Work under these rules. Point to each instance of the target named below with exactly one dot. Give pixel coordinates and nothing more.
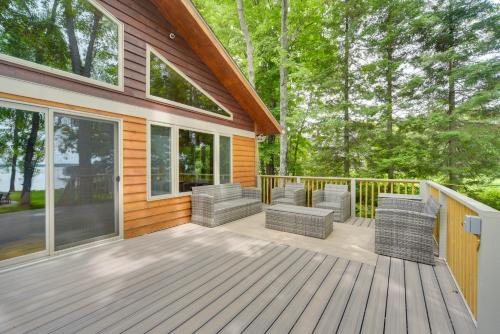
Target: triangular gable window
(166, 82)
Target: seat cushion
(328, 205)
(284, 200)
(234, 204)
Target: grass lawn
(37, 202)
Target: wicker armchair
(291, 193)
(404, 229)
(335, 197)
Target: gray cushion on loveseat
(220, 204)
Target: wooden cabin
(129, 104)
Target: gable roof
(187, 20)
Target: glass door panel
(84, 180)
(22, 182)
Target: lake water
(38, 182)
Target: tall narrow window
(225, 159)
(160, 163)
(168, 83)
(196, 159)
(73, 36)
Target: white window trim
(51, 70)
(149, 50)
(230, 136)
(173, 149)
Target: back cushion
(228, 192)
(290, 188)
(333, 192)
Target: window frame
(50, 70)
(173, 153)
(174, 141)
(149, 50)
(230, 155)
(215, 165)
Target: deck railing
(364, 191)
(473, 259)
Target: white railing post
(488, 293)
(424, 190)
(353, 197)
(443, 225)
(259, 181)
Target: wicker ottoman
(312, 222)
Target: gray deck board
(310, 317)
(285, 321)
(439, 319)
(395, 316)
(267, 286)
(361, 222)
(354, 312)
(193, 279)
(276, 293)
(459, 314)
(334, 311)
(418, 322)
(374, 318)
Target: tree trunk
(248, 42)
(389, 108)
(283, 87)
(69, 22)
(15, 148)
(346, 87)
(29, 161)
(450, 161)
(89, 58)
(270, 165)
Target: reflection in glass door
(84, 180)
(22, 182)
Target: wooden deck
(361, 222)
(192, 279)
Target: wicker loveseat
(220, 204)
(404, 229)
(291, 194)
(334, 197)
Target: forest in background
(386, 89)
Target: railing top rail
(342, 178)
(467, 201)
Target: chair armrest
(252, 192)
(202, 205)
(318, 196)
(299, 197)
(278, 192)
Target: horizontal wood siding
(143, 24)
(244, 161)
(140, 215)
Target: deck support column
(353, 198)
(488, 294)
(443, 225)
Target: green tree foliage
(404, 89)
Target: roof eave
(188, 22)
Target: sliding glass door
(85, 180)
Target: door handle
(118, 178)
